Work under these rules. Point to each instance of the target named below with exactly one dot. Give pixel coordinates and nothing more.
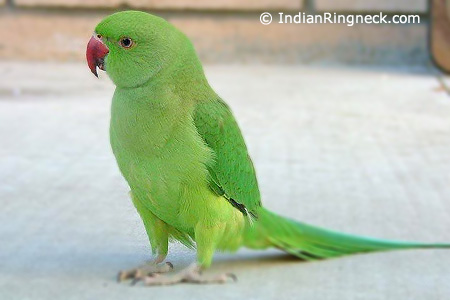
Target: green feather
(310, 243)
(231, 172)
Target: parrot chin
(96, 52)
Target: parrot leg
(147, 269)
(192, 274)
(157, 231)
(206, 238)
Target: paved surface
(362, 151)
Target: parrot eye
(126, 42)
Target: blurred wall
(223, 30)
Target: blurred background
(348, 128)
(226, 30)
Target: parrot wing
(232, 174)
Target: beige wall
(222, 30)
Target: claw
(124, 275)
(232, 276)
(139, 273)
(135, 280)
(169, 264)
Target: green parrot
(181, 151)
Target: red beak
(95, 54)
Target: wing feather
(231, 173)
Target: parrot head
(133, 46)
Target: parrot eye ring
(126, 42)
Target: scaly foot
(148, 269)
(191, 274)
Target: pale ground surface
(362, 151)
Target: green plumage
(231, 172)
(181, 151)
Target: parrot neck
(182, 83)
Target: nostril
(99, 36)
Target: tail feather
(311, 243)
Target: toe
(143, 271)
(124, 275)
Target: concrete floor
(357, 150)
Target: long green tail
(310, 243)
